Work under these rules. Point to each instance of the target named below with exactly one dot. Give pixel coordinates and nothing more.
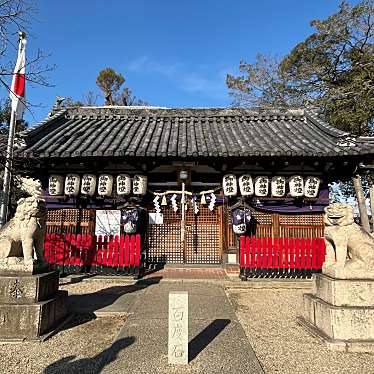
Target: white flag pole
(7, 170)
(9, 159)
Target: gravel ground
(268, 317)
(79, 348)
(281, 344)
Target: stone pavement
(217, 342)
(189, 273)
(110, 301)
(120, 300)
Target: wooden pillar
(275, 225)
(222, 231)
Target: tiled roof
(188, 133)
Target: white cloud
(204, 84)
(146, 66)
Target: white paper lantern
(105, 185)
(296, 184)
(278, 186)
(246, 185)
(72, 184)
(139, 185)
(262, 186)
(123, 183)
(229, 185)
(311, 186)
(88, 185)
(56, 185)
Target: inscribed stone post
(178, 327)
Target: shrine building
(202, 177)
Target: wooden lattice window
(277, 225)
(301, 219)
(78, 221)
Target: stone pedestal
(341, 313)
(31, 306)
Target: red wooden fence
(281, 253)
(84, 252)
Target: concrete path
(217, 342)
(110, 301)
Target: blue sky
(172, 53)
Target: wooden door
(164, 240)
(203, 244)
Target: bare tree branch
(332, 70)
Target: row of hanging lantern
(88, 184)
(260, 186)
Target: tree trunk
(108, 99)
(371, 191)
(361, 203)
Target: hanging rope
(168, 192)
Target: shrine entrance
(203, 243)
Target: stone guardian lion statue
(349, 248)
(22, 238)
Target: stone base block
(16, 265)
(31, 321)
(344, 292)
(339, 322)
(343, 273)
(337, 345)
(27, 288)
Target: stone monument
(30, 304)
(178, 328)
(340, 310)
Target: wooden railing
(85, 253)
(280, 256)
